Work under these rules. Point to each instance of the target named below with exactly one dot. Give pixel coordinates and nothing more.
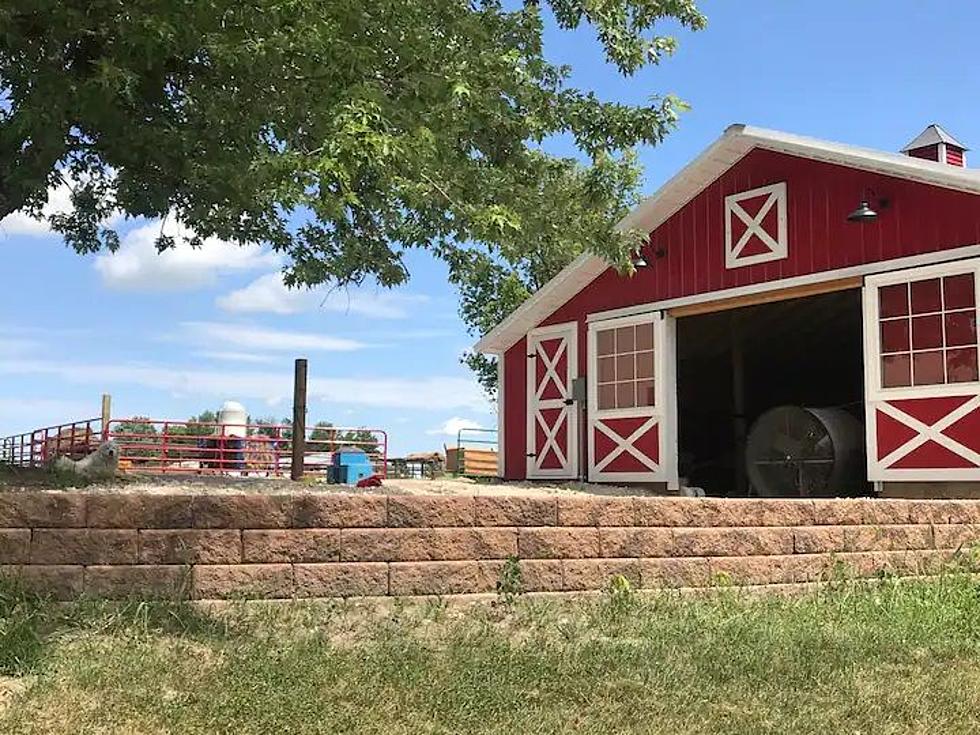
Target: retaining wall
(331, 545)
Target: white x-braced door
(922, 378)
(632, 399)
(552, 431)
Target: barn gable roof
(732, 146)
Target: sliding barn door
(552, 432)
(632, 399)
(921, 376)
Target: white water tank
(233, 419)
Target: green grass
(897, 657)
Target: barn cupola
(935, 144)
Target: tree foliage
(342, 134)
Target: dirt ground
(19, 479)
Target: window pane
(624, 339)
(893, 300)
(927, 332)
(607, 369)
(961, 328)
(895, 371)
(961, 365)
(607, 396)
(625, 397)
(926, 296)
(895, 335)
(606, 342)
(959, 291)
(644, 336)
(644, 364)
(928, 368)
(624, 367)
(644, 393)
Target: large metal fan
(793, 451)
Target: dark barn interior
(801, 352)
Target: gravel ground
(37, 479)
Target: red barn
(790, 290)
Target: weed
(510, 586)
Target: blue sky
(172, 335)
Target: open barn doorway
(734, 367)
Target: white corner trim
(501, 404)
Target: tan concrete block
(15, 545)
(419, 511)
(882, 512)
(541, 575)
(595, 574)
(963, 512)
(596, 511)
(240, 511)
(337, 511)
(427, 544)
(625, 542)
(443, 577)
(838, 511)
(819, 539)
(888, 538)
(515, 510)
(957, 536)
(558, 543)
(144, 581)
(732, 541)
(299, 545)
(59, 582)
(686, 572)
(42, 510)
(257, 581)
(785, 512)
(112, 510)
(190, 546)
(665, 511)
(778, 569)
(83, 546)
(358, 579)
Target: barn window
(928, 331)
(625, 370)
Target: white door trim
(501, 402)
(567, 412)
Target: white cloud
(138, 265)
(20, 223)
(452, 427)
(437, 393)
(247, 337)
(268, 294)
(248, 357)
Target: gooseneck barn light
(864, 212)
(638, 260)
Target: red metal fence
(192, 448)
(253, 450)
(35, 448)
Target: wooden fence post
(299, 419)
(106, 415)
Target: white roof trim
(727, 150)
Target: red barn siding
(920, 219)
(515, 411)
(929, 152)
